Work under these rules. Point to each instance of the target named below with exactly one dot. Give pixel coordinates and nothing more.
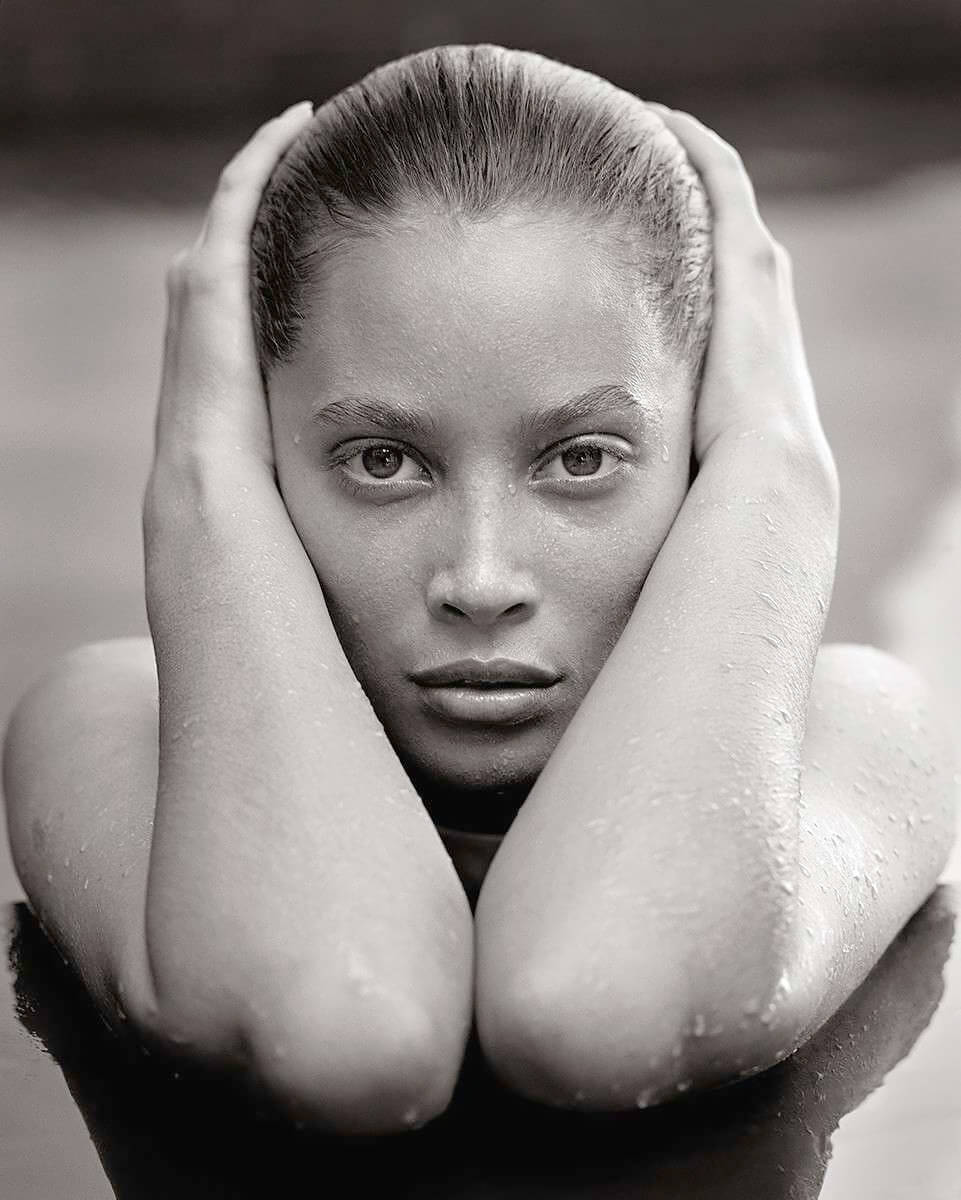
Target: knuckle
(764, 255)
(175, 269)
(232, 177)
(783, 256)
(194, 272)
(730, 158)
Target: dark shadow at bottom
(161, 1134)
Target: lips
(494, 672)
(498, 691)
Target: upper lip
(492, 670)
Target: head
(481, 290)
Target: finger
(230, 216)
(737, 222)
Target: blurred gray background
(115, 119)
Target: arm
(641, 927)
(299, 896)
(672, 844)
(300, 912)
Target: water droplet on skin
(86, 884)
(83, 847)
(769, 601)
(297, 438)
(645, 1099)
(511, 489)
(684, 1085)
(700, 1025)
(665, 453)
(787, 886)
(66, 861)
(49, 877)
(926, 818)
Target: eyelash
(572, 485)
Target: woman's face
(482, 443)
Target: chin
(479, 792)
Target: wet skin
(476, 536)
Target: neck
(469, 810)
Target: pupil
(381, 461)
(582, 460)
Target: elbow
(383, 1071)
(345, 1065)
(577, 1047)
(617, 1049)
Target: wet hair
(471, 132)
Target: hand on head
(756, 378)
(212, 399)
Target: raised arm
(660, 916)
(301, 914)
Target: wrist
(784, 456)
(201, 480)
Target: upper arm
(875, 830)
(877, 822)
(80, 773)
(80, 780)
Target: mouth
(493, 692)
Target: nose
(483, 577)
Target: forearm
(285, 829)
(657, 852)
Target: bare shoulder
(878, 793)
(871, 712)
(81, 697)
(79, 777)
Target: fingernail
(301, 106)
(659, 108)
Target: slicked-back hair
(473, 132)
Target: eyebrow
(603, 399)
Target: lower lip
(487, 706)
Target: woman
(427, 576)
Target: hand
(756, 378)
(212, 404)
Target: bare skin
(728, 825)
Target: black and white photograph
(480, 600)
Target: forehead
(506, 308)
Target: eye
(585, 459)
(379, 467)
